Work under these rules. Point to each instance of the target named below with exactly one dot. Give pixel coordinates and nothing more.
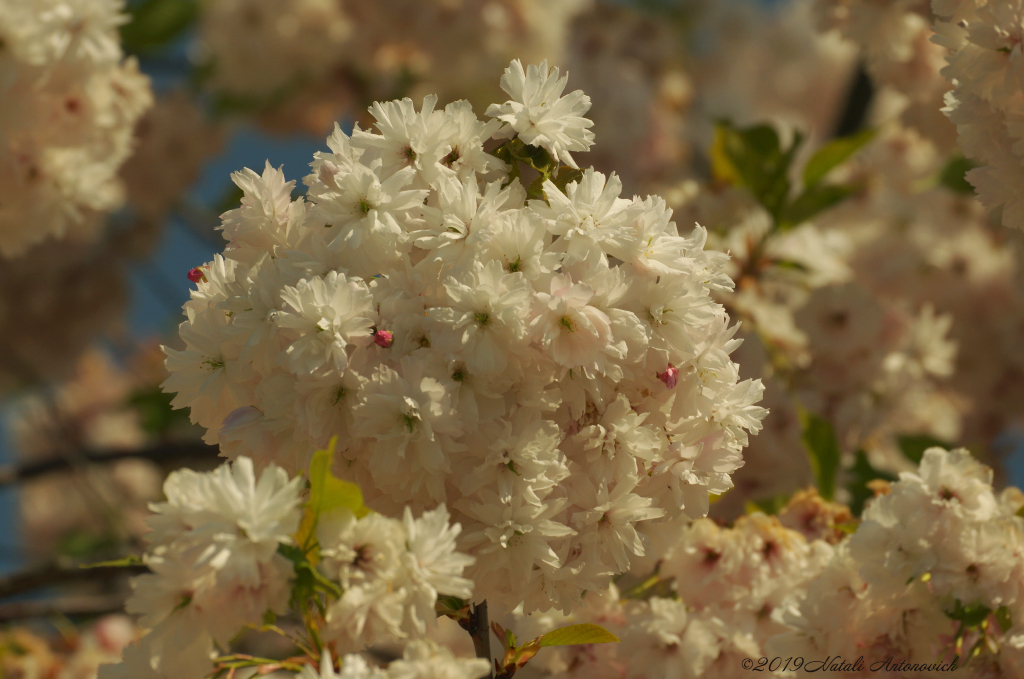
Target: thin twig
(67, 606)
(59, 572)
(161, 452)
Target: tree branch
(161, 452)
(96, 604)
(480, 630)
(60, 572)
(858, 100)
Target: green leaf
(578, 634)
(970, 615)
(832, 154)
(132, 560)
(860, 474)
(790, 265)
(1004, 618)
(155, 23)
(822, 448)
(156, 416)
(914, 445)
(566, 175)
(953, 175)
(812, 201)
(753, 157)
(768, 505)
(327, 492)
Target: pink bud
(670, 377)
(196, 275)
(384, 338)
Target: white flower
(329, 314)
(568, 326)
(408, 139)
(539, 113)
(427, 660)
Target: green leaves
(156, 416)
(822, 448)
(914, 445)
(155, 23)
(326, 492)
(516, 656)
(578, 634)
(860, 475)
(832, 154)
(953, 175)
(515, 153)
(969, 615)
(753, 157)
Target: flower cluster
(559, 346)
(984, 40)
(711, 603)
(218, 552)
(69, 104)
(934, 571)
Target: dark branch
(161, 452)
(858, 100)
(58, 573)
(92, 605)
(479, 629)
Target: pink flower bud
(384, 338)
(196, 275)
(670, 377)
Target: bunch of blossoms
(984, 40)
(76, 654)
(934, 571)
(707, 606)
(876, 366)
(305, 63)
(69, 104)
(894, 37)
(919, 242)
(227, 552)
(559, 346)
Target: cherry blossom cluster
(218, 561)
(933, 571)
(984, 40)
(550, 363)
(69, 104)
(711, 603)
(77, 655)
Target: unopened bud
(196, 275)
(670, 377)
(384, 338)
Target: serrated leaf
(327, 492)
(832, 154)
(860, 474)
(155, 23)
(812, 201)
(132, 560)
(953, 176)
(914, 445)
(822, 448)
(578, 634)
(565, 176)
